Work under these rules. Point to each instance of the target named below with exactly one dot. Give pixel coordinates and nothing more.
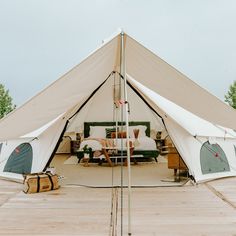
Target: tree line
(6, 103)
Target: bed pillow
(141, 128)
(97, 132)
(109, 131)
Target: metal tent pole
(123, 73)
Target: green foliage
(6, 105)
(87, 149)
(230, 97)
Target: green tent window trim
(213, 159)
(20, 160)
(235, 149)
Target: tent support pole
(123, 73)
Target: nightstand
(75, 145)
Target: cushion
(142, 131)
(121, 134)
(109, 131)
(136, 133)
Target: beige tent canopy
(44, 118)
(141, 64)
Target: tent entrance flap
(145, 101)
(71, 117)
(92, 94)
(56, 147)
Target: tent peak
(113, 35)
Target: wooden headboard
(111, 123)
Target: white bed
(96, 132)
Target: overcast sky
(42, 39)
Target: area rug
(144, 174)
(72, 160)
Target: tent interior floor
(143, 174)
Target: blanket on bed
(106, 143)
(144, 143)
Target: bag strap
(50, 178)
(38, 183)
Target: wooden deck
(205, 209)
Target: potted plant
(87, 150)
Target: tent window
(213, 159)
(20, 160)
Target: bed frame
(145, 153)
(110, 123)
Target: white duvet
(144, 143)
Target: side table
(75, 145)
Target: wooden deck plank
(188, 210)
(67, 211)
(181, 211)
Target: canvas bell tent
(200, 125)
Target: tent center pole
(126, 106)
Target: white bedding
(145, 143)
